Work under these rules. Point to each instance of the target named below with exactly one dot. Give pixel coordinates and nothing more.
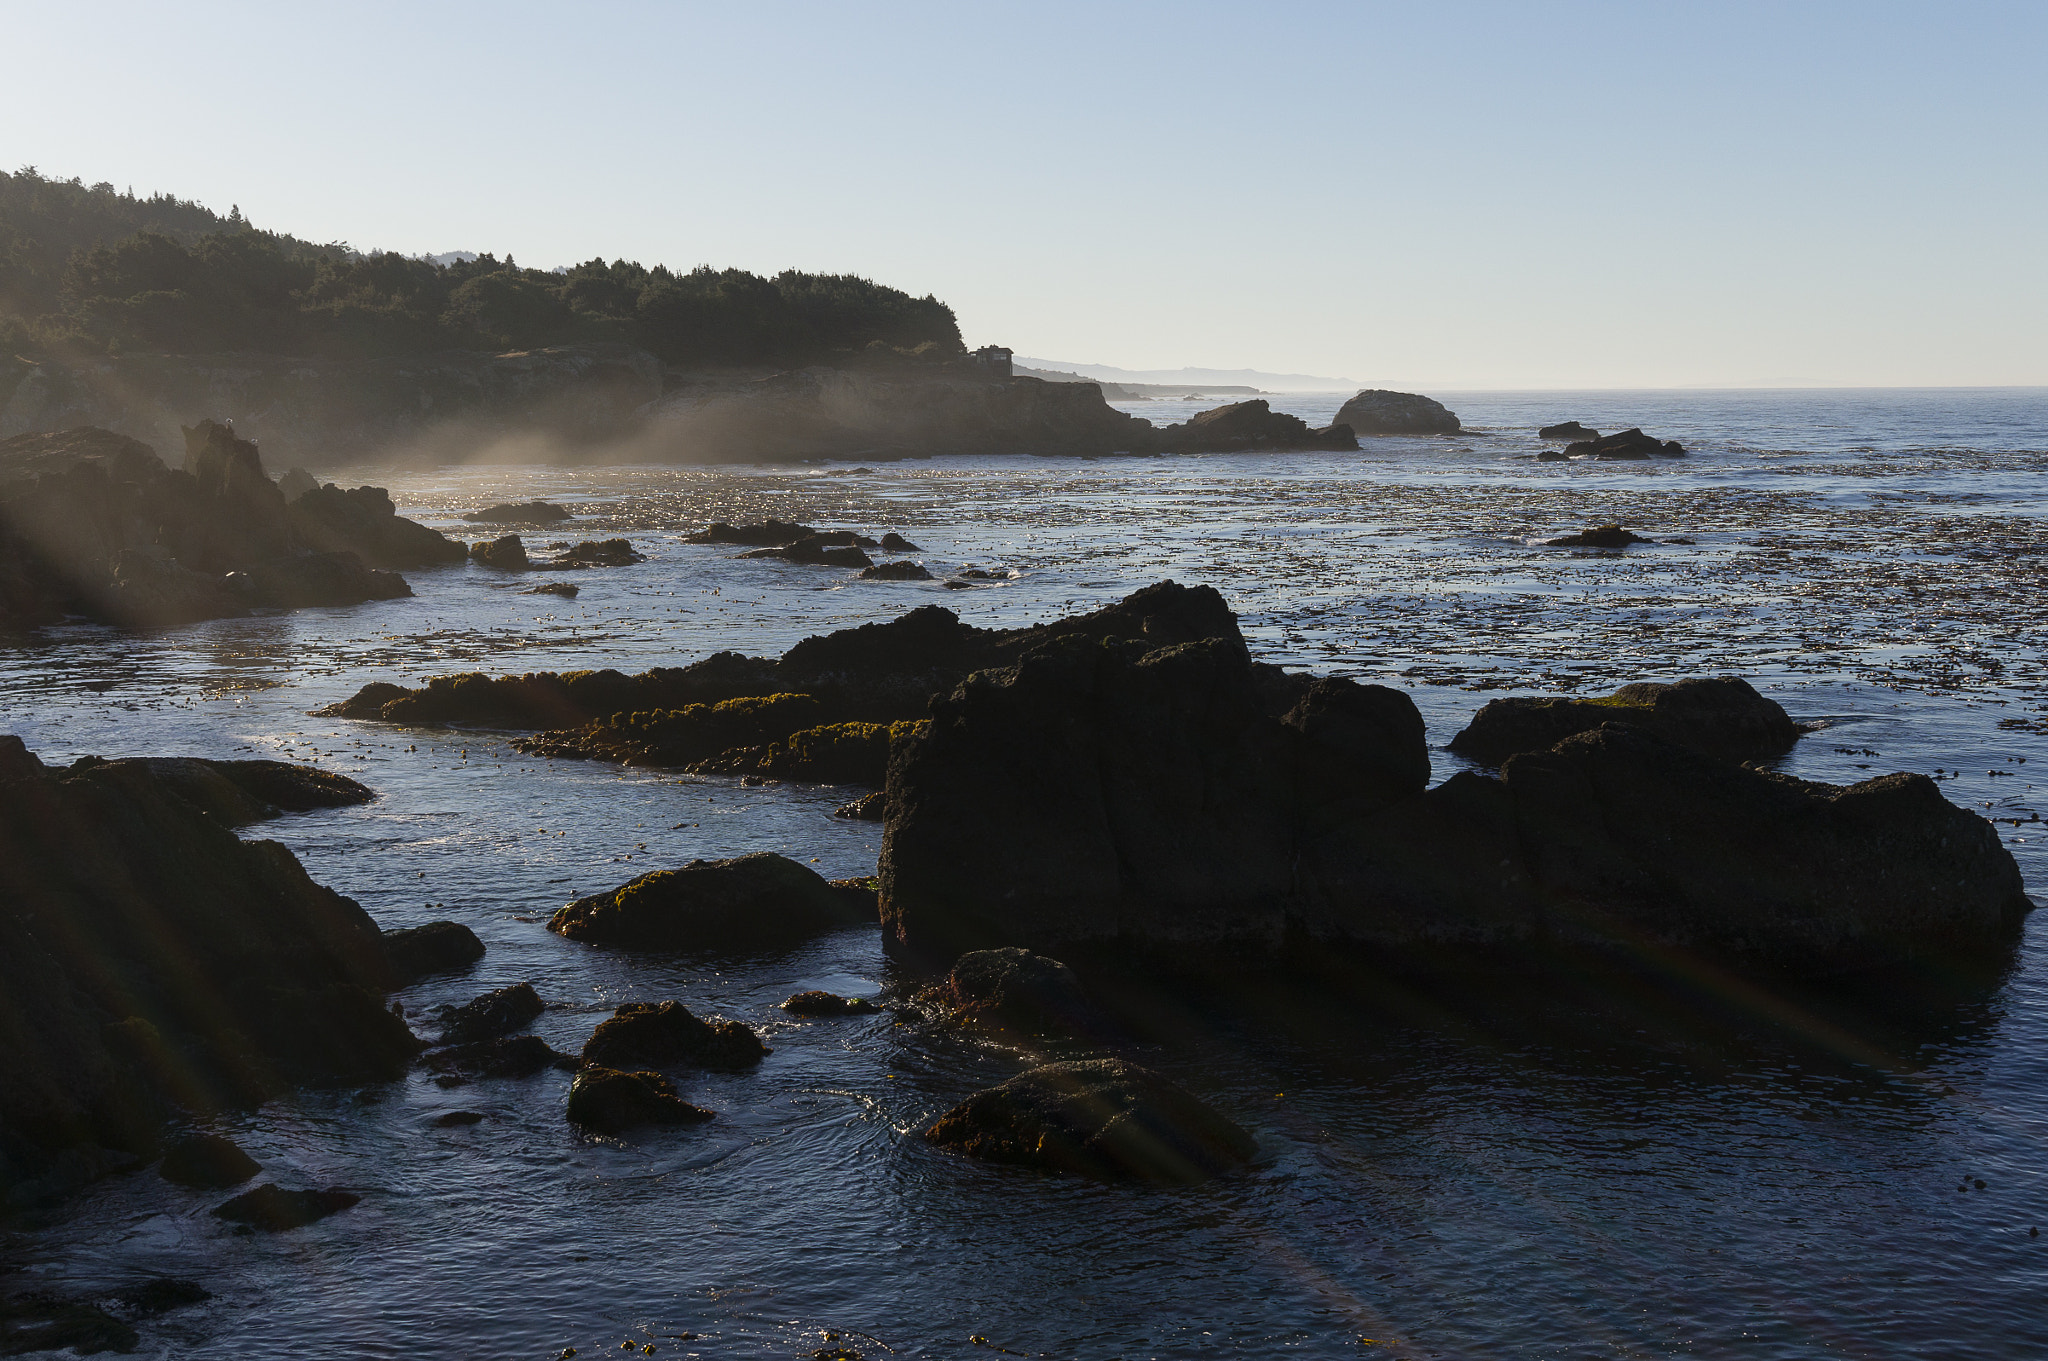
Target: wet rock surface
(438, 947)
(867, 808)
(1104, 1118)
(1014, 989)
(207, 1160)
(607, 1101)
(820, 1003)
(42, 1321)
(595, 553)
(273, 1209)
(492, 1015)
(514, 1056)
(507, 553)
(1375, 411)
(1719, 716)
(668, 1035)
(754, 900)
(896, 571)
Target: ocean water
(1769, 1182)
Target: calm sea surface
(1427, 1186)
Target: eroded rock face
(758, 900)
(1375, 411)
(608, 1101)
(1721, 716)
(667, 1035)
(1102, 1118)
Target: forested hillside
(90, 270)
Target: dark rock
(297, 483)
(273, 1209)
(458, 1119)
(596, 553)
(1014, 989)
(568, 590)
(362, 521)
(667, 1035)
(492, 1015)
(507, 1057)
(1723, 717)
(612, 1102)
(161, 1294)
(1364, 743)
(862, 897)
(61, 1177)
(1606, 536)
(815, 550)
(896, 543)
(1552, 456)
(524, 513)
(437, 947)
(903, 570)
(1568, 430)
(236, 793)
(1375, 411)
(1250, 425)
(754, 900)
(315, 579)
(767, 534)
(867, 808)
(1103, 1118)
(42, 1322)
(1627, 444)
(506, 554)
(207, 1160)
(816, 1003)
(838, 753)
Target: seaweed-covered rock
(1101, 1118)
(819, 1003)
(608, 1101)
(838, 753)
(1625, 444)
(492, 1015)
(239, 792)
(867, 808)
(893, 542)
(1721, 716)
(568, 590)
(437, 947)
(754, 900)
(668, 1035)
(509, 1056)
(506, 553)
(1375, 411)
(524, 513)
(273, 1209)
(207, 1160)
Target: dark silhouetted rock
(862, 897)
(297, 483)
(524, 513)
(316, 579)
(207, 1160)
(896, 543)
(507, 554)
(1627, 444)
(492, 1015)
(867, 808)
(1103, 1118)
(39, 1321)
(817, 551)
(754, 900)
(1569, 430)
(1375, 411)
(596, 553)
(458, 1119)
(362, 521)
(1014, 989)
(611, 1102)
(1723, 716)
(667, 1035)
(510, 1056)
(162, 1294)
(816, 1003)
(903, 570)
(273, 1209)
(568, 590)
(1606, 536)
(1250, 425)
(437, 947)
(767, 534)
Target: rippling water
(1430, 1184)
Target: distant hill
(89, 270)
(1200, 380)
(1131, 392)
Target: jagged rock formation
(151, 961)
(1118, 799)
(93, 523)
(1375, 411)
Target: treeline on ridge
(87, 270)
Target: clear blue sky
(1427, 194)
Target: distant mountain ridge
(1196, 379)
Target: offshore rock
(608, 1101)
(362, 521)
(151, 960)
(1104, 1118)
(1249, 425)
(596, 553)
(273, 1209)
(438, 947)
(817, 1003)
(893, 542)
(1375, 411)
(1605, 536)
(506, 553)
(667, 1035)
(1568, 430)
(767, 534)
(817, 551)
(1722, 716)
(525, 513)
(208, 1161)
(491, 1016)
(758, 900)
(902, 570)
(1628, 444)
(236, 793)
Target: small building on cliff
(993, 361)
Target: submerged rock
(818, 1003)
(1375, 411)
(1606, 536)
(524, 513)
(1568, 430)
(438, 947)
(512, 1056)
(161, 1294)
(39, 1321)
(611, 1102)
(207, 1160)
(749, 901)
(1102, 1118)
(273, 1209)
(1628, 444)
(1721, 716)
(568, 590)
(506, 553)
(492, 1015)
(668, 1035)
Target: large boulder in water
(1375, 411)
(1720, 716)
(668, 1035)
(750, 901)
(491, 1016)
(1102, 1118)
(1014, 989)
(437, 947)
(607, 1101)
